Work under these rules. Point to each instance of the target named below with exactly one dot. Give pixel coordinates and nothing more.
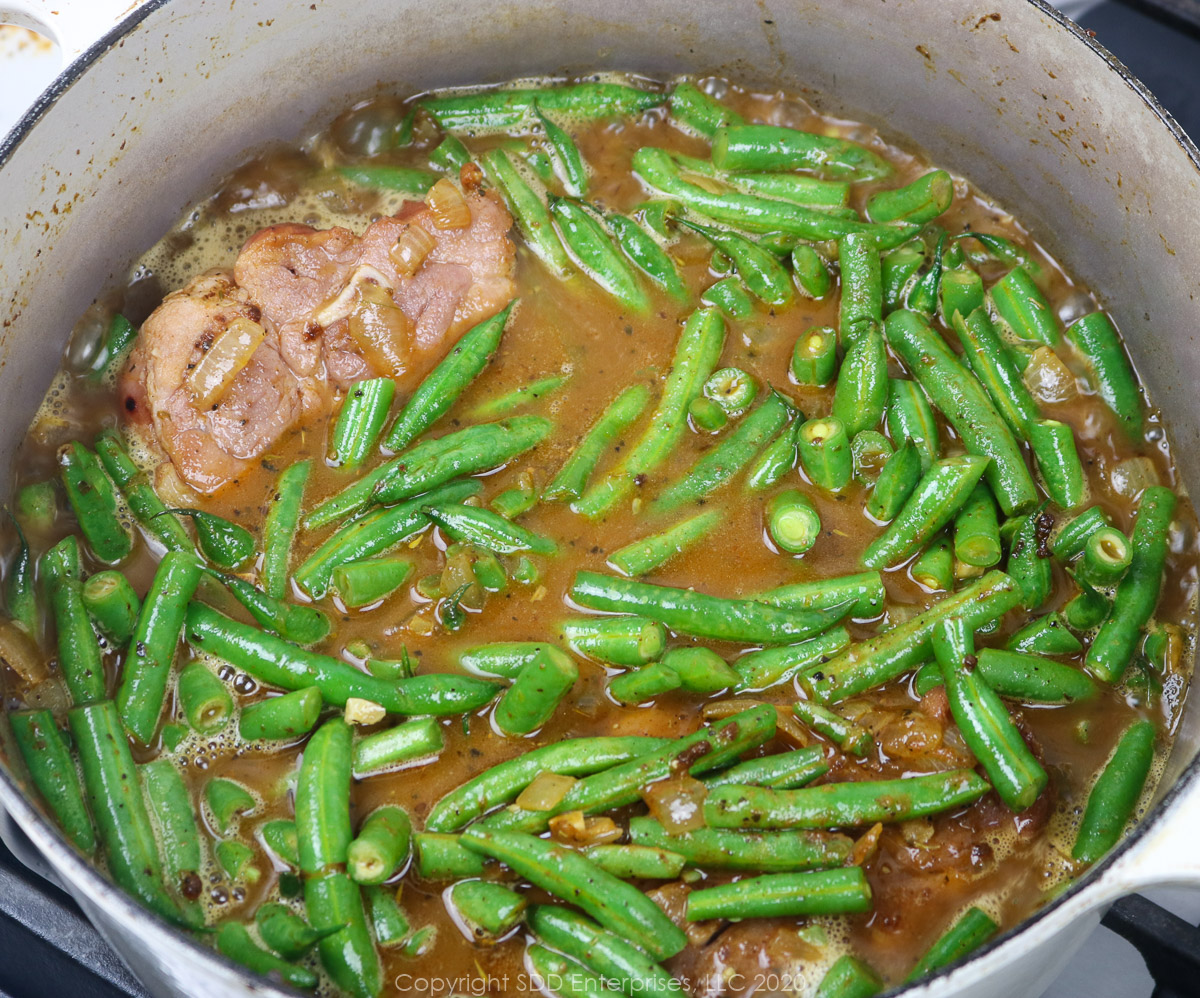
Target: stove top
(44, 937)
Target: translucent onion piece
(576, 828)
(677, 803)
(19, 653)
(381, 330)
(231, 351)
(1131, 477)
(342, 304)
(546, 790)
(1048, 378)
(448, 206)
(415, 243)
(786, 723)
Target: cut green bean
(923, 296)
(811, 273)
(1053, 445)
(814, 359)
(620, 414)
(143, 501)
(825, 456)
(821, 892)
(731, 297)
(644, 684)
(535, 693)
(775, 460)
(297, 622)
(849, 977)
(443, 857)
(793, 522)
(502, 405)
(759, 270)
(860, 395)
(280, 718)
(563, 977)
(870, 451)
(403, 744)
(1032, 678)
(486, 910)
(864, 592)
(767, 147)
(450, 155)
(205, 700)
(651, 552)
(700, 670)
(861, 303)
(760, 670)
(1086, 609)
(515, 501)
(960, 293)
(487, 530)
(234, 942)
(227, 545)
(732, 389)
(989, 361)
(361, 583)
(594, 253)
(921, 201)
(20, 591)
(933, 568)
(899, 272)
(634, 862)
(119, 337)
(646, 254)
(1047, 635)
(171, 810)
(52, 769)
(1072, 538)
(846, 735)
(334, 901)
(568, 164)
(896, 482)
(1023, 307)
(626, 641)
(528, 210)
(360, 421)
(112, 604)
(79, 657)
(1027, 564)
(390, 178)
(977, 530)
(698, 112)
(1106, 557)
(1094, 337)
(388, 922)
(381, 846)
(909, 417)
(94, 500)
(227, 799)
(503, 109)
(286, 932)
(281, 838)
(1114, 797)
(970, 932)
(784, 771)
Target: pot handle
(1166, 855)
(73, 24)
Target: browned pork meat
(331, 308)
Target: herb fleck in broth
(923, 872)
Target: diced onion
(786, 723)
(381, 330)
(448, 206)
(342, 304)
(1048, 378)
(1131, 477)
(411, 249)
(19, 652)
(546, 790)
(677, 803)
(231, 351)
(866, 845)
(576, 828)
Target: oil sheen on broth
(922, 873)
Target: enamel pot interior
(1019, 101)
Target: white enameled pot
(1006, 92)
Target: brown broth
(924, 873)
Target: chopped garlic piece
(359, 711)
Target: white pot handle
(1167, 855)
(73, 24)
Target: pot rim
(48, 838)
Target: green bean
(775, 460)
(1106, 557)
(20, 589)
(759, 270)
(141, 694)
(938, 496)
(709, 748)
(519, 397)
(283, 717)
(823, 892)
(650, 258)
(1047, 635)
(171, 810)
(756, 214)
(450, 155)
(112, 604)
(909, 417)
(846, 735)
(535, 693)
(970, 932)
(977, 530)
(531, 215)
(767, 147)
(1032, 678)
(233, 941)
(404, 743)
(933, 568)
(79, 657)
(390, 178)
(658, 216)
(635, 862)
(226, 799)
(501, 658)
(860, 394)
(699, 614)
(849, 977)
(360, 421)
(897, 479)
(286, 932)
(608, 954)
(562, 977)
(282, 839)
(1027, 564)
(793, 522)
(966, 407)
(760, 670)
(1086, 609)
(842, 804)
(1072, 538)
(443, 857)
(920, 201)
(361, 583)
(143, 501)
(732, 389)
(1116, 792)
(767, 852)
(784, 771)
(999, 248)
(651, 552)
(567, 161)
(388, 921)
(898, 272)
(277, 663)
(1023, 308)
(811, 273)
(334, 901)
(923, 296)
(114, 794)
(700, 670)
(227, 545)
(698, 112)
(375, 533)
(595, 255)
(37, 507)
(381, 846)
(696, 355)
(814, 358)
(173, 735)
(1053, 445)
(644, 684)
(620, 414)
(487, 530)
(864, 591)
(989, 361)
(205, 700)
(824, 449)
(984, 721)
(627, 641)
(926, 679)
(323, 798)
(888, 656)
(870, 451)
(297, 622)
(515, 501)
(118, 340)
(501, 783)
(486, 910)
(731, 297)
(861, 305)
(503, 109)
(960, 293)
(1097, 342)
(569, 875)
(1137, 593)
(52, 770)
(94, 501)
(831, 195)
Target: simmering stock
(771, 234)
